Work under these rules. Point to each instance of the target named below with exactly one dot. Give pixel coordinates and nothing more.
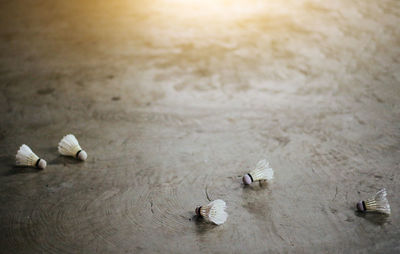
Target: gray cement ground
(174, 100)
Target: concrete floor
(176, 100)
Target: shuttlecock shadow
(257, 186)
(12, 169)
(64, 160)
(373, 217)
(202, 226)
(21, 170)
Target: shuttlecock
(25, 157)
(69, 146)
(213, 212)
(261, 172)
(378, 203)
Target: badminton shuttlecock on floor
(262, 172)
(213, 212)
(25, 157)
(69, 146)
(378, 203)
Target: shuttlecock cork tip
(42, 164)
(197, 211)
(82, 155)
(247, 179)
(360, 206)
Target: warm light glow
(211, 8)
(171, 22)
(220, 9)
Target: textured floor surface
(176, 100)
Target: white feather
(379, 203)
(262, 171)
(25, 156)
(217, 212)
(69, 145)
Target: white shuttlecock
(69, 146)
(25, 157)
(261, 172)
(213, 212)
(378, 203)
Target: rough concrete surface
(176, 100)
